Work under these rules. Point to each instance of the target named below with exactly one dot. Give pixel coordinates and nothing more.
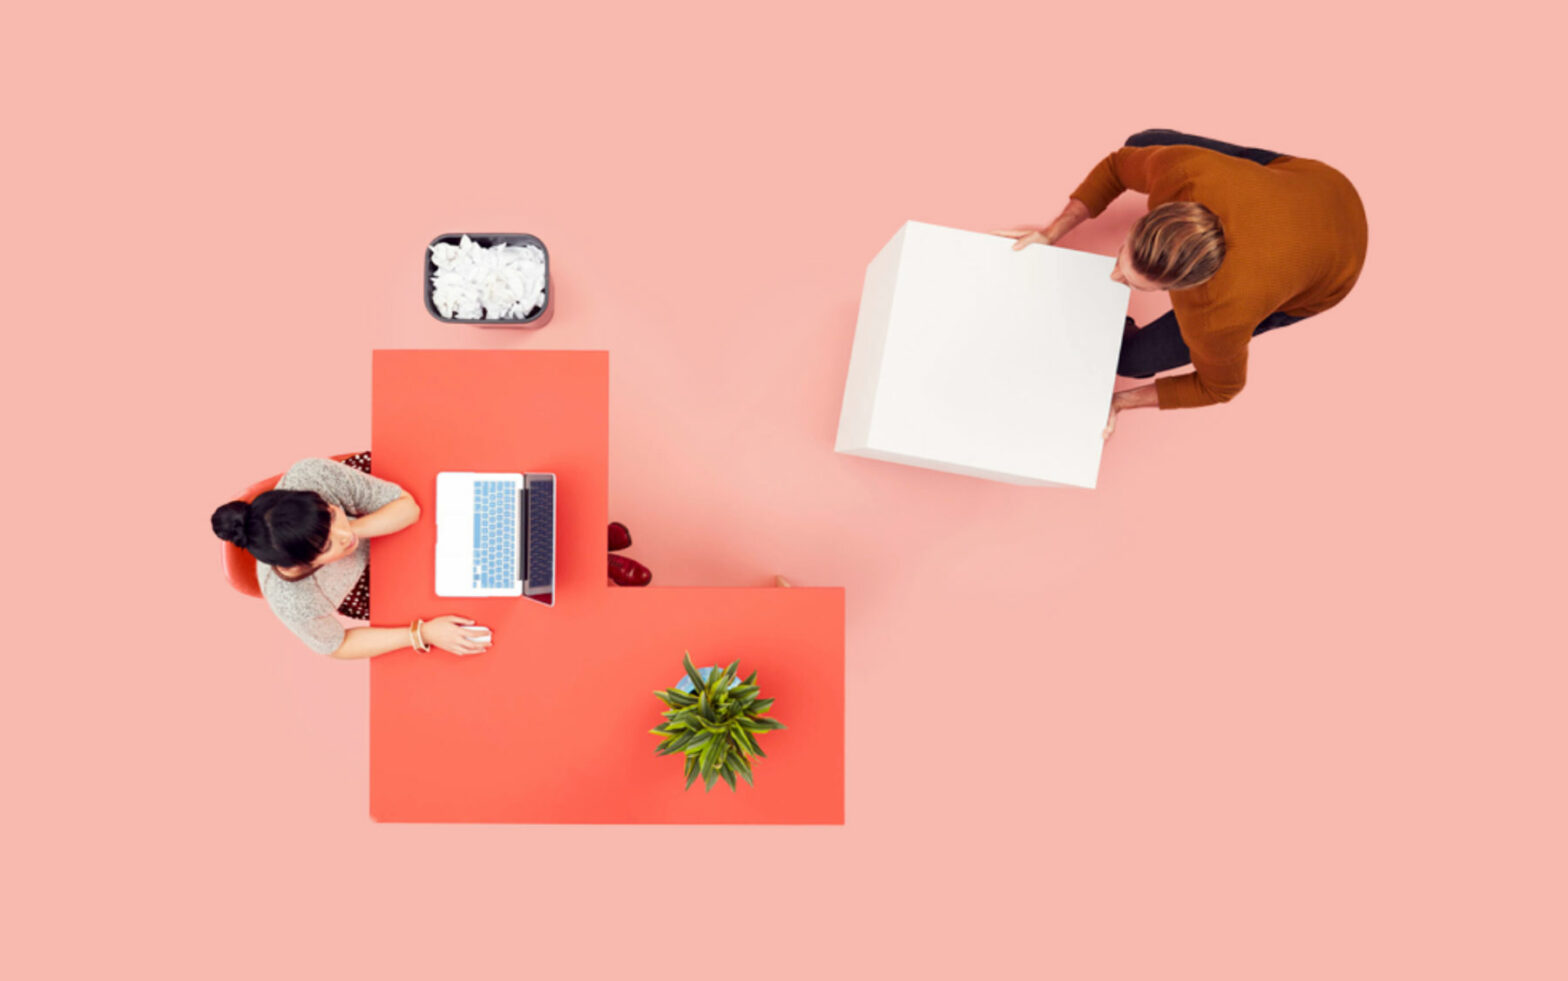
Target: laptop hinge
(522, 533)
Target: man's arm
(1128, 398)
(1201, 387)
(1071, 217)
(1141, 397)
(1218, 330)
(1219, 372)
(1130, 168)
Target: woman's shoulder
(290, 599)
(312, 473)
(301, 606)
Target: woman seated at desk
(313, 563)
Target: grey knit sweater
(309, 606)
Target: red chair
(239, 565)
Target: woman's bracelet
(419, 631)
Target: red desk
(550, 725)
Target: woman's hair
(1178, 245)
(280, 527)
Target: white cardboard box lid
(988, 360)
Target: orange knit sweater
(1295, 240)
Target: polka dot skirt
(357, 603)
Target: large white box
(976, 359)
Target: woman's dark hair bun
(280, 527)
(228, 523)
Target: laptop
(495, 535)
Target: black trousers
(1158, 345)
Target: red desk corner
(550, 725)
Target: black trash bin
(538, 318)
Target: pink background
(1282, 699)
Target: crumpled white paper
(472, 282)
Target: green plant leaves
(715, 725)
(691, 672)
(744, 741)
(760, 724)
(675, 698)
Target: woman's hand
(1071, 216)
(456, 635)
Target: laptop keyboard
(541, 534)
(495, 534)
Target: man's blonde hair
(1178, 245)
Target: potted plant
(714, 719)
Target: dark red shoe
(629, 572)
(620, 536)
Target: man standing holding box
(1245, 240)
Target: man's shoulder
(1228, 302)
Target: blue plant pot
(685, 683)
